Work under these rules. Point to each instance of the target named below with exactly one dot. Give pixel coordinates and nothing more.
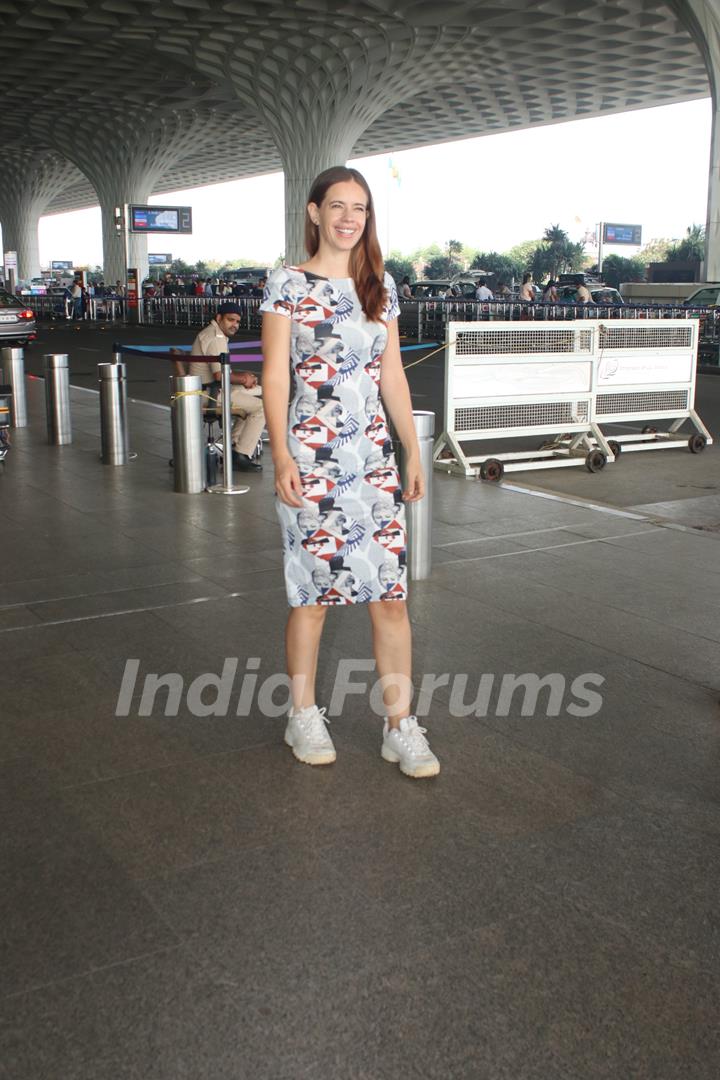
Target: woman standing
(340, 503)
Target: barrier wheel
(492, 470)
(696, 444)
(595, 461)
(615, 447)
(649, 430)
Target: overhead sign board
(622, 234)
(161, 219)
(61, 264)
(159, 260)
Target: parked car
(463, 288)
(602, 295)
(706, 296)
(17, 320)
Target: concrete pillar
(114, 242)
(124, 159)
(702, 18)
(29, 184)
(317, 100)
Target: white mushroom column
(317, 90)
(124, 162)
(702, 18)
(29, 185)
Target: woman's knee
(311, 616)
(388, 612)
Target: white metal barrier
(508, 380)
(516, 380)
(647, 371)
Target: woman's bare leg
(302, 645)
(392, 645)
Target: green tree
(445, 264)
(504, 267)
(616, 269)
(691, 247)
(655, 251)
(399, 267)
(523, 253)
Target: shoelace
(314, 724)
(416, 736)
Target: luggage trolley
(511, 380)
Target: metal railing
(421, 320)
(196, 310)
(427, 320)
(96, 308)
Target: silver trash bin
(187, 434)
(419, 514)
(113, 413)
(57, 398)
(13, 366)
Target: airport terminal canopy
(115, 100)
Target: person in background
(249, 418)
(405, 290)
(582, 296)
(481, 290)
(527, 292)
(550, 293)
(76, 296)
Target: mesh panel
(645, 337)
(482, 342)
(540, 414)
(652, 402)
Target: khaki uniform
(249, 415)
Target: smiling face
(341, 217)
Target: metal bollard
(187, 434)
(13, 365)
(419, 514)
(113, 414)
(57, 398)
(227, 487)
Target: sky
(647, 167)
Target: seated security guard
(249, 417)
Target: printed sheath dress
(347, 545)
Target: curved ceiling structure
(200, 91)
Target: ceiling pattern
(201, 91)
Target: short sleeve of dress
(392, 307)
(281, 292)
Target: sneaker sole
(326, 757)
(418, 773)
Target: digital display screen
(159, 260)
(622, 234)
(163, 219)
(61, 265)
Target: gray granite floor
(181, 899)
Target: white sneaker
(407, 747)
(307, 735)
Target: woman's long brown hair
(366, 262)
